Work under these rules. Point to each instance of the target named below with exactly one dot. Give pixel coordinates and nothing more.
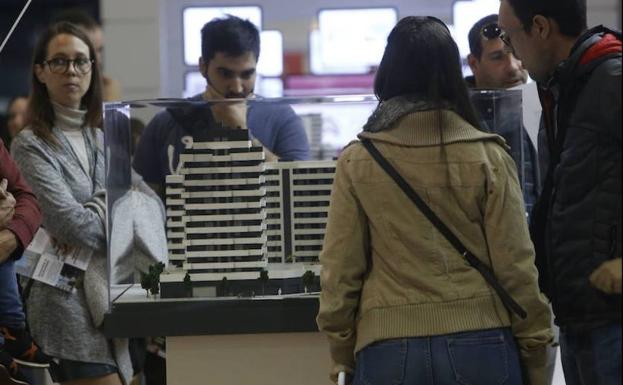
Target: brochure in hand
(44, 262)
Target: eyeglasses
(60, 66)
(507, 40)
(504, 36)
(491, 31)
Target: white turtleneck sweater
(71, 122)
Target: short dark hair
(231, 35)
(570, 15)
(475, 35)
(422, 58)
(78, 17)
(40, 115)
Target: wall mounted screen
(350, 40)
(271, 54)
(465, 15)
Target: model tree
(223, 287)
(151, 281)
(263, 278)
(146, 282)
(188, 285)
(308, 279)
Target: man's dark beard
(229, 95)
(236, 95)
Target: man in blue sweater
(230, 48)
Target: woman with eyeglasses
(61, 156)
(399, 303)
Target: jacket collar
(576, 64)
(389, 112)
(405, 122)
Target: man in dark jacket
(576, 224)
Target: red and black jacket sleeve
(27, 217)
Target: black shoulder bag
(483, 269)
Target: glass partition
(500, 111)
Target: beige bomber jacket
(388, 273)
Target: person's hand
(229, 114)
(7, 204)
(8, 244)
(607, 277)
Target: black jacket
(576, 223)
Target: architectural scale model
(237, 225)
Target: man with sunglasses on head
(576, 223)
(230, 49)
(492, 63)
(494, 67)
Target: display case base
(258, 359)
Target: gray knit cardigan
(60, 322)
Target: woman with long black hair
(400, 304)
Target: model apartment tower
(230, 216)
(216, 209)
(298, 196)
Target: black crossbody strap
(476, 263)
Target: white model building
(298, 195)
(231, 215)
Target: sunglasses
(491, 31)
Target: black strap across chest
(484, 270)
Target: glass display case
(199, 210)
(223, 219)
(210, 236)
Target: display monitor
(350, 41)
(194, 83)
(271, 54)
(465, 15)
(194, 18)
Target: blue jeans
(591, 357)
(68, 370)
(483, 357)
(11, 308)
